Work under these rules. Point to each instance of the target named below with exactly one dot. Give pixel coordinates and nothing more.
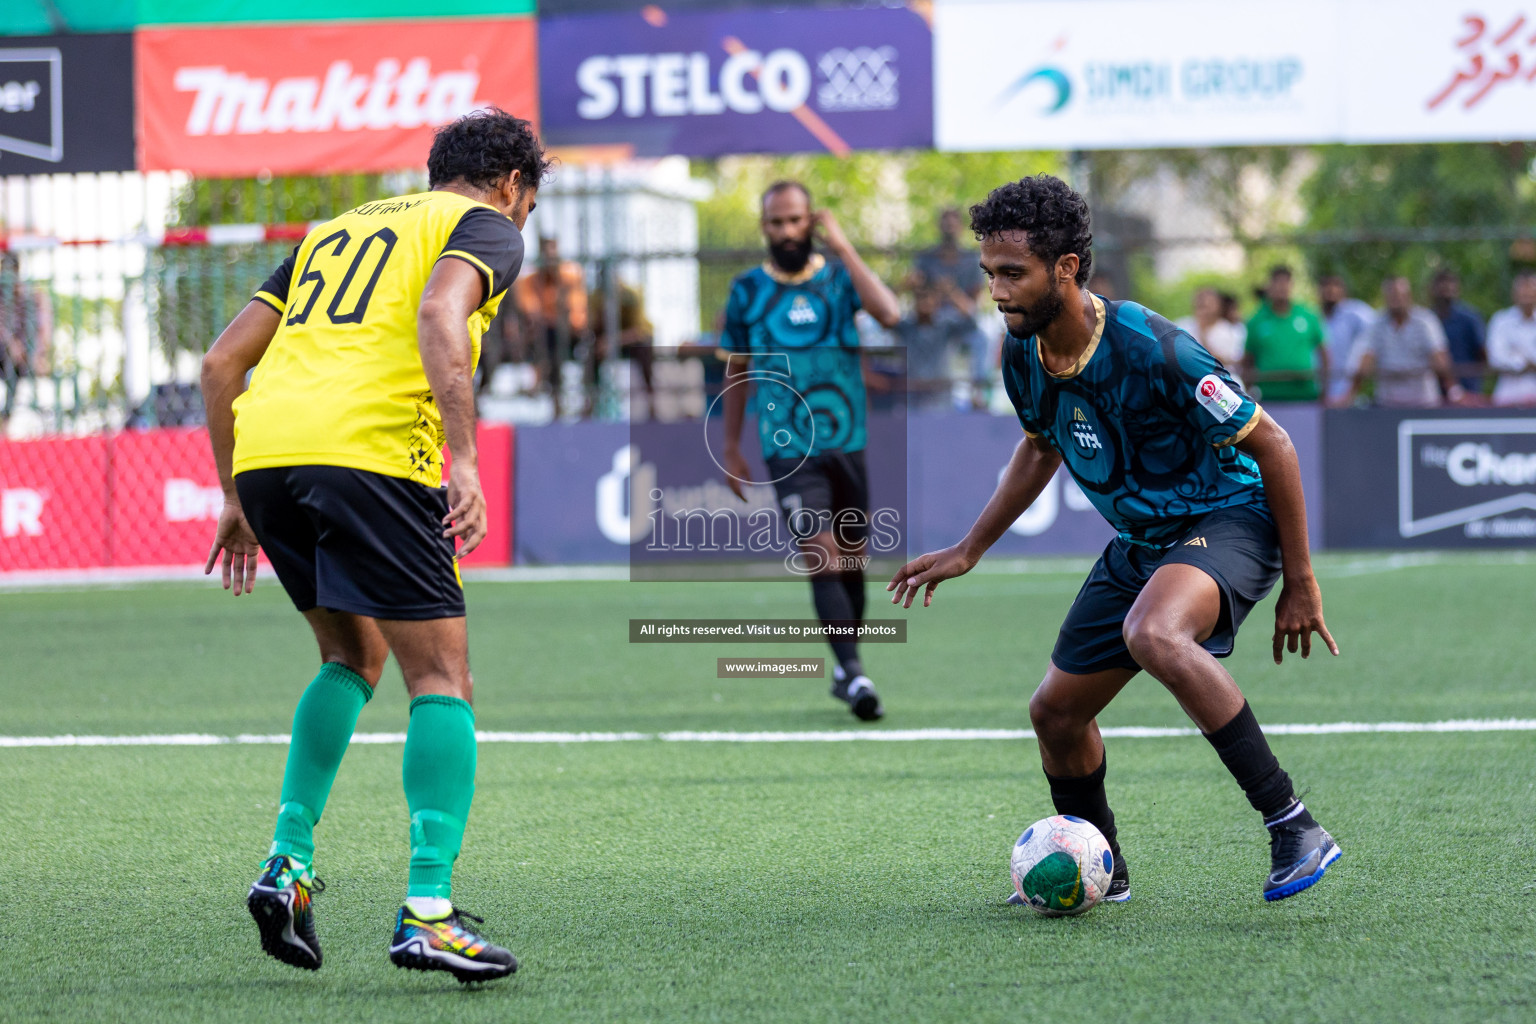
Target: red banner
(308, 99)
(153, 499)
(53, 503)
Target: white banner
(1101, 74)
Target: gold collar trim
(811, 269)
(1093, 344)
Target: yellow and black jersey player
(363, 346)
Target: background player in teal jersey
(790, 323)
(1203, 488)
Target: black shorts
(813, 492)
(1237, 547)
(352, 541)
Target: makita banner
(658, 82)
(66, 104)
(1430, 478)
(306, 99)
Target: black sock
(1083, 797)
(853, 581)
(834, 607)
(1243, 749)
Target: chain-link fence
(112, 286)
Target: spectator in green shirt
(1286, 353)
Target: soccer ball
(1061, 866)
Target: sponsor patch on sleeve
(1219, 400)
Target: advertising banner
(313, 98)
(1088, 74)
(1430, 478)
(737, 81)
(953, 465)
(1436, 71)
(152, 498)
(53, 503)
(66, 104)
(957, 461)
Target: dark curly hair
(483, 147)
(1044, 207)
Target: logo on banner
(747, 82)
(1478, 474)
(391, 97)
(32, 103)
(863, 78)
(1494, 54)
(21, 512)
(1055, 78)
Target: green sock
(439, 776)
(322, 728)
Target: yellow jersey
(342, 382)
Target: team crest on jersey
(1083, 434)
(801, 312)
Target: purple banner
(585, 491)
(738, 81)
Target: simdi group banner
(1087, 74)
(655, 82)
(315, 98)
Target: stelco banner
(738, 81)
(66, 104)
(1085, 74)
(307, 99)
(1430, 479)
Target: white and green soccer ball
(1061, 866)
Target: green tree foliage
(1413, 209)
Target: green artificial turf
(776, 882)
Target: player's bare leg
(439, 775)
(352, 655)
(838, 595)
(1177, 610)
(1064, 712)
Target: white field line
(819, 736)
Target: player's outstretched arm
(232, 356)
(1029, 470)
(454, 291)
(1299, 612)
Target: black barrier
(1432, 478)
(66, 104)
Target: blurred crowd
(1402, 354)
(577, 343)
(1343, 352)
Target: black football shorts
(1236, 547)
(353, 541)
(813, 492)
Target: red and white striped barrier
(213, 234)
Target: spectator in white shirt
(1404, 350)
(1512, 345)
(1220, 336)
(1346, 318)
